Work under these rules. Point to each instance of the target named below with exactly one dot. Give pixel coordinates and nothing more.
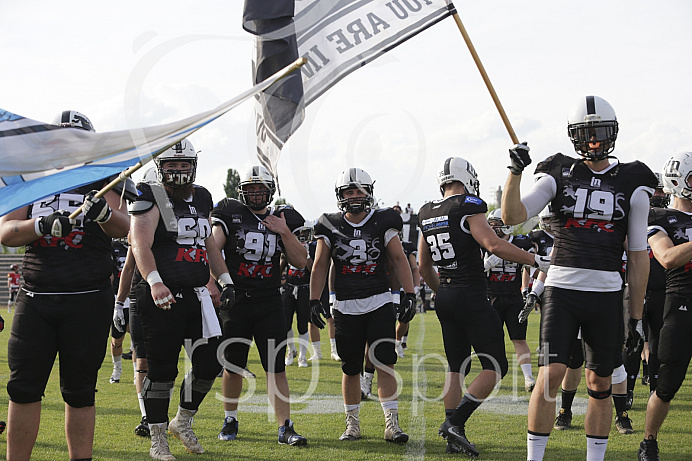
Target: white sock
(535, 445)
(303, 345)
(368, 376)
(316, 347)
(351, 408)
(596, 448)
(526, 369)
(332, 341)
(404, 339)
(117, 361)
(390, 405)
(141, 404)
(231, 413)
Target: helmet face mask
(175, 178)
(458, 169)
(304, 232)
(660, 199)
(495, 221)
(257, 187)
(544, 218)
(593, 128)
(677, 175)
(354, 179)
(74, 119)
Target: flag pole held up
(297, 64)
(486, 79)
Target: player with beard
(64, 306)
(596, 204)
(504, 291)
(175, 252)
(669, 231)
(253, 236)
(358, 241)
(453, 230)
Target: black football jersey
(591, 211)
(678, 227)
(359, 252)
(453, 249)
(410, 249)
(542, 240)
(119, 254)
(657, 274)
(297, 277)
(180, 254)
(252, 251)
(505, 278)
(81, 261)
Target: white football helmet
(544, 218)
(348, 179)
(458, 169)
(73, 119)
(304, 232)
(180, 151)
(660, 199)
(592, 121)
(257, 200)
(677, 175)
(495, 221)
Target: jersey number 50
(440, 248)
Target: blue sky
(129, 64)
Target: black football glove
(635, 337)
(56, 224)
(96, 209)
(529, 305)
(406, 309)
(227, 296)
(519, 158)
(316, 313)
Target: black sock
(567, 399)
(620, 402)
(645, 368)
(449, 412)
(80, 459)
(467, 406)
(369, 370)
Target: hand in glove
(529, 305)
(316, 313)
(635, 337)
(519, 158)
(227, 296)
(119, 316)
(56, 224)
(490, 261)
(96, 209)
(542, 263)
(406, 309)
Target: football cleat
(302, 362)
(456, 435)
(529, 383)
(229, 431)
(623, 423)
(316, 356)
(352, 431)
(127, 355)
(181, 428)
(288, 435)
(3, 426)
(648, 450)
(335, 356)
(117, 373)
(399, 349)
(142, 428)
(159, 444)
(563, 420)
(392, 431)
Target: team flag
(337, 37)
(39, 159)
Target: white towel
(210, 323)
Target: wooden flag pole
(481, 69)
(297, 64)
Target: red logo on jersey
(255, 270)
(502, 277)
(688, 266)
(359, 269)
(73, 240)
(298, 273)
(598, 224)
(193, 255)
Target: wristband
(120, 304)
(225, 279)
(153, 278)
(37, 228)
(396, 297)
(332, 298)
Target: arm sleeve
(639, 213)
(540, 195)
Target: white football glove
(491, 261)
(542, 263)
(119, 316)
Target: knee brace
(619, 375)
(201, 385)
(157, 390)
(600, 395)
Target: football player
(358, 241)
(13, 285)
(253, 236)
(596, 203)
(669, 231)
(504, 291)
(175, 252)
(66, 294)
(453, 230)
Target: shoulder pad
(139, 206)
(128, 186)
(554, 160)
(391, 218)
(293, 219)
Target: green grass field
(498, 428)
